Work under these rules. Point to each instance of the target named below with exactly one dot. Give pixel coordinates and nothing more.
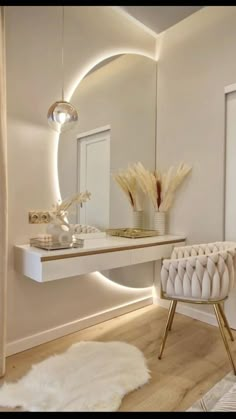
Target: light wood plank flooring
(194, 358)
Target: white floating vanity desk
(96, 255)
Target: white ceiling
(160, 18)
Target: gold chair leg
(170, 314)
(173, 314)
(225, 321)
(221, 327)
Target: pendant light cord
(62, 51)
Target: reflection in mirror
(116, 102)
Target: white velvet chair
(200, 274)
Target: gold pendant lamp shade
(62, 115)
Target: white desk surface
(100, 245)
(97, 254)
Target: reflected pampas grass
(128, 182)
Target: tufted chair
(200, 274)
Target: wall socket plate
(39, 217)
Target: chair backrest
(211, 267)
(201, 249)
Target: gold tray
(131, 233)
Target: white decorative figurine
(59, 228)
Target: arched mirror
(116, 102)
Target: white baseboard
(190, 311)
(72, 327)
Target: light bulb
(62, 116)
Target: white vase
(137, 219)
(160, 222)
(60, 233)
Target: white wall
(33, 84)
(196, 61)
(230, 190)
(230, 172)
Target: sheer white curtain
(3, 195)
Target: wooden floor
(194, 358)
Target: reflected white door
(94, 176)
(230, 193)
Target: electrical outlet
(44, 217)
(39, 217)
(34, 217)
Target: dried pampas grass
(60, 210)
(160, 187)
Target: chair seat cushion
(188, 299)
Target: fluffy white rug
(89, 376)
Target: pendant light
(62, 115)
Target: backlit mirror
(116, 102)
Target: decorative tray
(53, 245)
(131, 233)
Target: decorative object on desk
(131, 233)
(87, 377)
(84, 228)
(160, 187)
(127, 180)
(87, 232)
(59, 228)
(44, 238)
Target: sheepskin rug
(89, 376)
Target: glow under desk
(96, 255)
